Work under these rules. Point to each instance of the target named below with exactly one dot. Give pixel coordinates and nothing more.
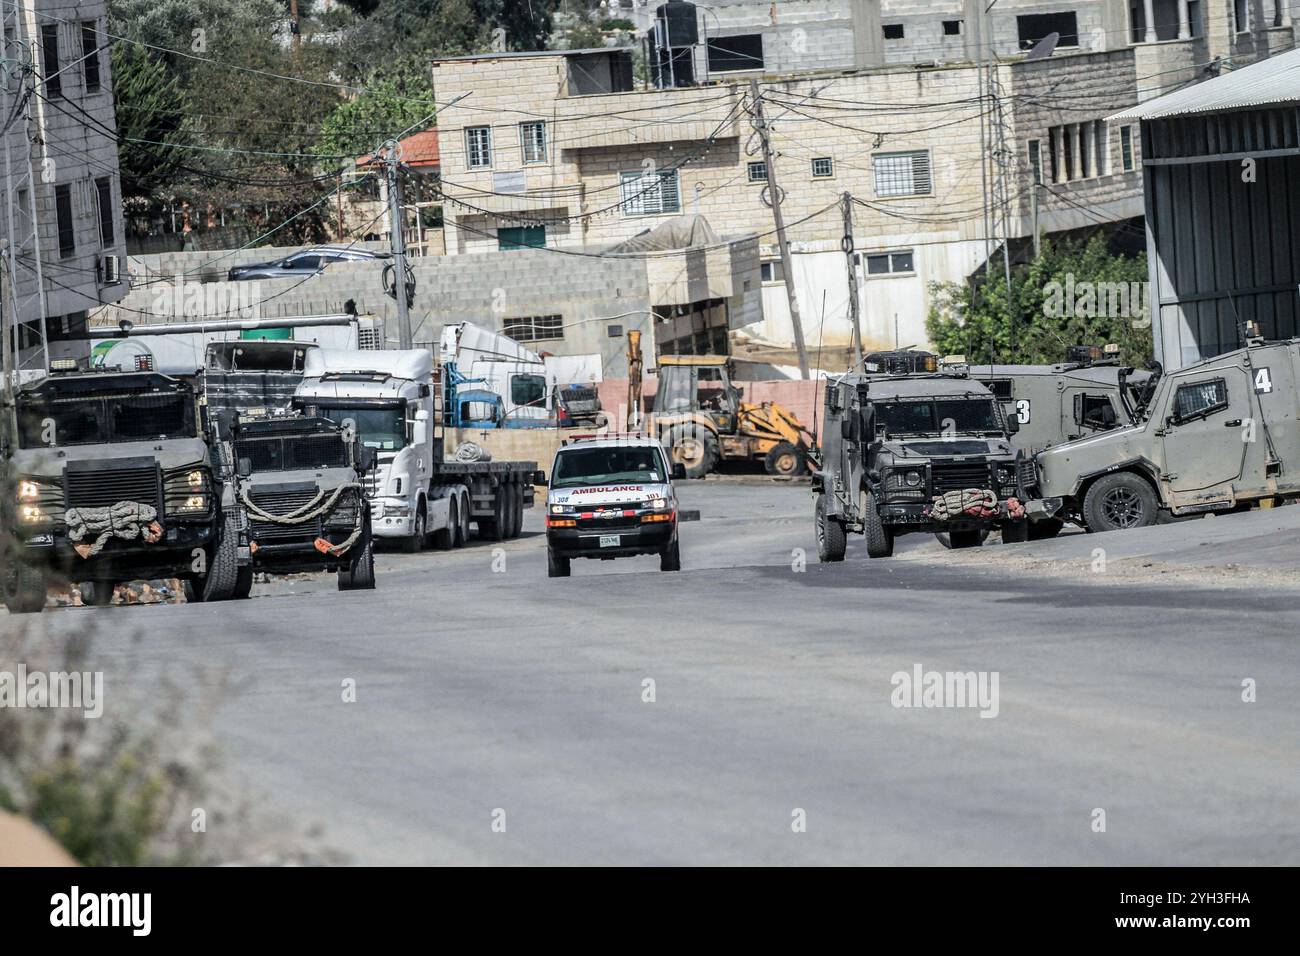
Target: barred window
(1126, 147)
(1200, 398)
(757, 172)
(650, 195)
(532, 137)
(534, 328)
(823, 167)
(902, 174)
(478, 146)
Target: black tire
(514, 509)
(557, 565)
(1120, 502)
(360, 574)
(494, 528)
(445, 538)
(880, 539)
(462, 532)
(832, 541)
(223, 567)
(243, 583)
(970, 538)
(785, 460)
(1043, 530)
(519, 510)
(1015, 532)
(25, 588)
(420, 533)
(694, 447)
(97, 593)
(670, 558)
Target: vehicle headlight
(559, 509)
(912, 478)
(28, 491)
(194, 504)
(30, 514)
(197, 480)
(657, 504)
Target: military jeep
(916, 453)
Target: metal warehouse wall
(1226, 251)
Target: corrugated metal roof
(1267, 83)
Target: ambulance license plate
(610, 540)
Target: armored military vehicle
(916, 452)
(110, 477)
(302, 498)
(1218, 435)
(1086, 394)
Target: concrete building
(62, 225)
(1222, 164)
(944, 159)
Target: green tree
(387, 106)
(1071, 294)
(151, 111)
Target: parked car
(308, 262)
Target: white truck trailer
(393, 401)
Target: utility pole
(297, 32)
(854, 306)
(397, 237)
(1033, 205)
(760, 124)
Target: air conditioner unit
(111, 270)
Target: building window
(50, 59)
(757, 172)
(478, 146)
(63, 212)
(532, 136)
(1033, 27)
(1036, 161)
(521, 237)
(534, 328)
(1078, 151)
(890, 263)
(952, 28)
(893, 31)
(104, 202)
(90, 56)
(823, 167)
(733, 54)
(902, 174)
(772, 271)
(1241, 15)
(650, 194)
(1126, 147)
(1200, 398)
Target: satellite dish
(1044, 47)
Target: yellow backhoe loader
(701, 420)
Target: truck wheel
(514, 504)
(243, 583)
(1015, 532)
(445, 538)
(694, 447)
(415, 543)
(223, 566)
(519, 510)
(97, 593)
(1042, 530)
(494, 528)
(972, 538)
(557, 565)
(785, 460)
(670, 558)
(24, 588)
(462, 534)
(832, 542)
(880, 539)
(360, 574)
(1118, 502)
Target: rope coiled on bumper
(127, 520)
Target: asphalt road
(483, 685)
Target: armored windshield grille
(1000, 387)
(147, 416)
(103, 488)
(280, 454)
(956, 476)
